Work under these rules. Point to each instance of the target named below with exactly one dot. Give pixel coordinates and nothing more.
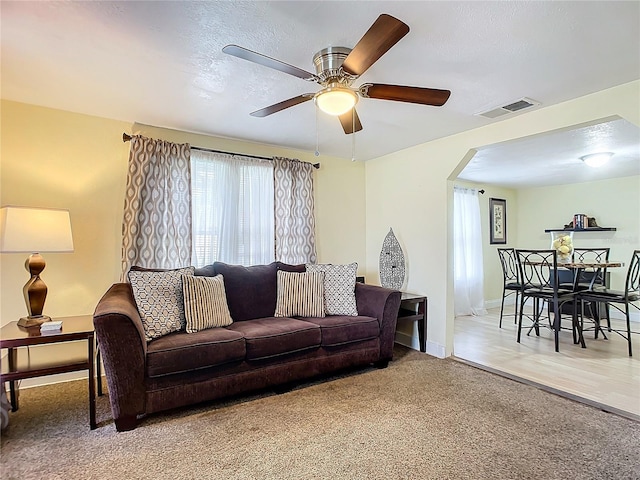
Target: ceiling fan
(338, 67)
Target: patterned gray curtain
(156, 230)
(295, 240)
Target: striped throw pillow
(205, 303)
(300, 294)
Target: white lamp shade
(25, 229)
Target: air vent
(512, 107)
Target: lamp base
(33, 321)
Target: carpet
(420, 418)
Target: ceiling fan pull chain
(353, 135)
(317, 152)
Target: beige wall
(412, 190)
(526, 224)
(59, 159)
(613, 202)
(53, 158)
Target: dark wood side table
(413, 308)
(21, 365)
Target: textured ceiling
(553, 158)
(161, 63)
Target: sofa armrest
(123, 349)
(383, 304)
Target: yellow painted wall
(412, 191)
(51, 158)
(54, 158)
(613, 202)
(609, 201)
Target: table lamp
(35, 230)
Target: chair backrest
(589, 255)
(509, 264)
(538, 269)
(633, 274)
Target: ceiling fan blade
(348, 120)
(385, 32)
(263, 112)
(260, 59)
(401, 93)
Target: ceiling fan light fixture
(336, 100)
(597, 159)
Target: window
(232, 209)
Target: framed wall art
(498, 221)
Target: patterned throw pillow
(205, 303)
(339, 288)
(300, 294)
(159, 298)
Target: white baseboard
(407, 340)
(496, 303)
(52, 379)
(434, 349)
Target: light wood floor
(602, 373)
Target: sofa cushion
(339, 288)
(269, 337)
(291, 268)
(205, 303)
(159, 298)
(251, 291)
(206, 271)
(182, 352)
(300, 294)
(341, 329)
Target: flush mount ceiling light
(597, 159)
(335, 100)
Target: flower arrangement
(563, 244)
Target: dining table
(579, 267)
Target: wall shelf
(591, 229)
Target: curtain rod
(126, 137)
(481, 192)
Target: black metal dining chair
(539, 282)
(590, 278)
(616, 298)
(510, 280)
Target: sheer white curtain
(468, 281)
(232, 209)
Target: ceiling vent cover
(511, 107)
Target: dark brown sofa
(258, 350)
